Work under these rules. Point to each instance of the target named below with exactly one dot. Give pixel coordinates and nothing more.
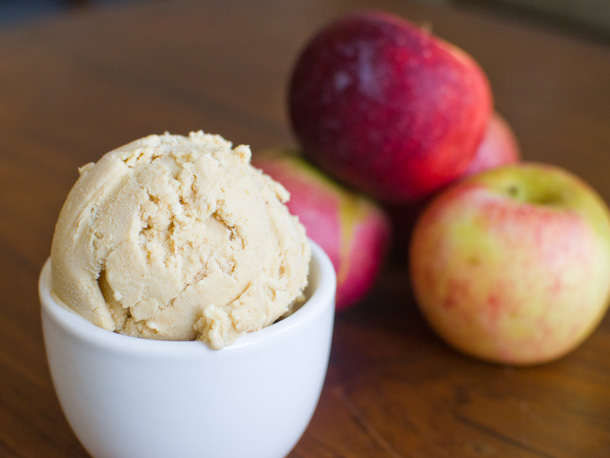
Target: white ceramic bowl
(126, 397)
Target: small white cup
(126, 397)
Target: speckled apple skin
(353, 230)
(513, 265)
(387, 107)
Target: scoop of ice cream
(179, 238)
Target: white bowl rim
(321, 297)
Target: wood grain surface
(74, 87)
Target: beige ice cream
(179, 238)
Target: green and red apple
(387, 107)
(352, 229)
(512, 265)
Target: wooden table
(74, 87)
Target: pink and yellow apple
(387, 107)
(513, 265)
(353, 230)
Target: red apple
(387, 107)
(498, 147)
(513, 265)
(352, 229)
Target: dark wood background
(76, 86)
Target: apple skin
(386, 107)
(498, 147)
(353, 230)
(513, 265)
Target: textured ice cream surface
(179, 238)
